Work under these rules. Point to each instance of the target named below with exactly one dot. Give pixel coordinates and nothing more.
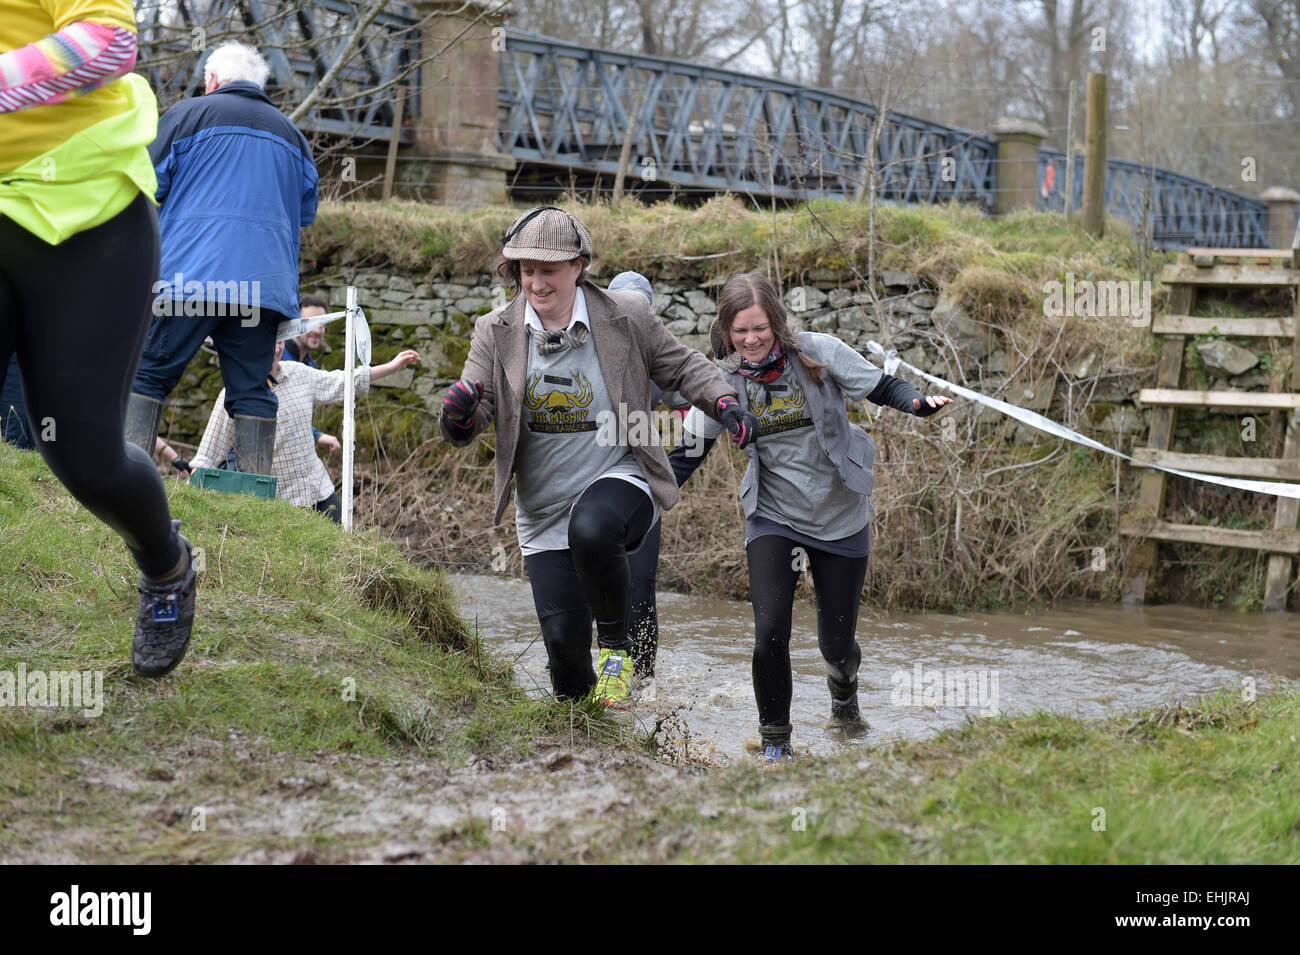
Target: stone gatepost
(1016, 169)
(1282, 206)
(456, 129)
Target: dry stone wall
(925, 325)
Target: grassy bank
(941, 244)
(310, 648)
(1211, 781)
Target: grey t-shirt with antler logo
(799, 489)
(559, 454)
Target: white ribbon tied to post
(1040, 423)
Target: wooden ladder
(1195, 270)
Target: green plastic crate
(235, 482)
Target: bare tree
(1279, 21)
(835, 31)
(714, 32)
(778, 40)
(1191, 23)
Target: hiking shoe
(845, 713)
(778, 754)
(614, 678)
(162, 627)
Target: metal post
(349, 405)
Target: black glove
(462, 400)
(743, 425)
(180, 464)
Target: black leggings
(643, 620)
(77, 314)
(774, 570)
(590, 579)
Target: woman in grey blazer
(553, 369)
(807, 491)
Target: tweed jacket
(634, 349)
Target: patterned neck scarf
(549, 342)
(768, 370)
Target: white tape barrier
(300, 326)
(1037, 421)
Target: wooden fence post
(1094, 162)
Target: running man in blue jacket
(236, 181)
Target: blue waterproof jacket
(236, 181)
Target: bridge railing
(1183, 211)
(695, 127)
(300, 41)
(709, 129)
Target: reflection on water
(921, 673)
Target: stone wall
(925, 325)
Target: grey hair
(236, 61)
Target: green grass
(308, 644)
(1213, 781)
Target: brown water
(1083, 660)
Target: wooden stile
(1202, 269)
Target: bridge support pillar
(1017, 165)
(1283, 204)
(456, 128)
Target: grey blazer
(634, 349)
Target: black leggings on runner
(77, 314)
(590, 579)
(837, 581)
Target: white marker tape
(299, 326)
(1037, 421)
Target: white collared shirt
(576, 316)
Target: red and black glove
(743, 425)
(460, 403)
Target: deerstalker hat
(546, 234)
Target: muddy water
(921, 673)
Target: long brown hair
(754, 288)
